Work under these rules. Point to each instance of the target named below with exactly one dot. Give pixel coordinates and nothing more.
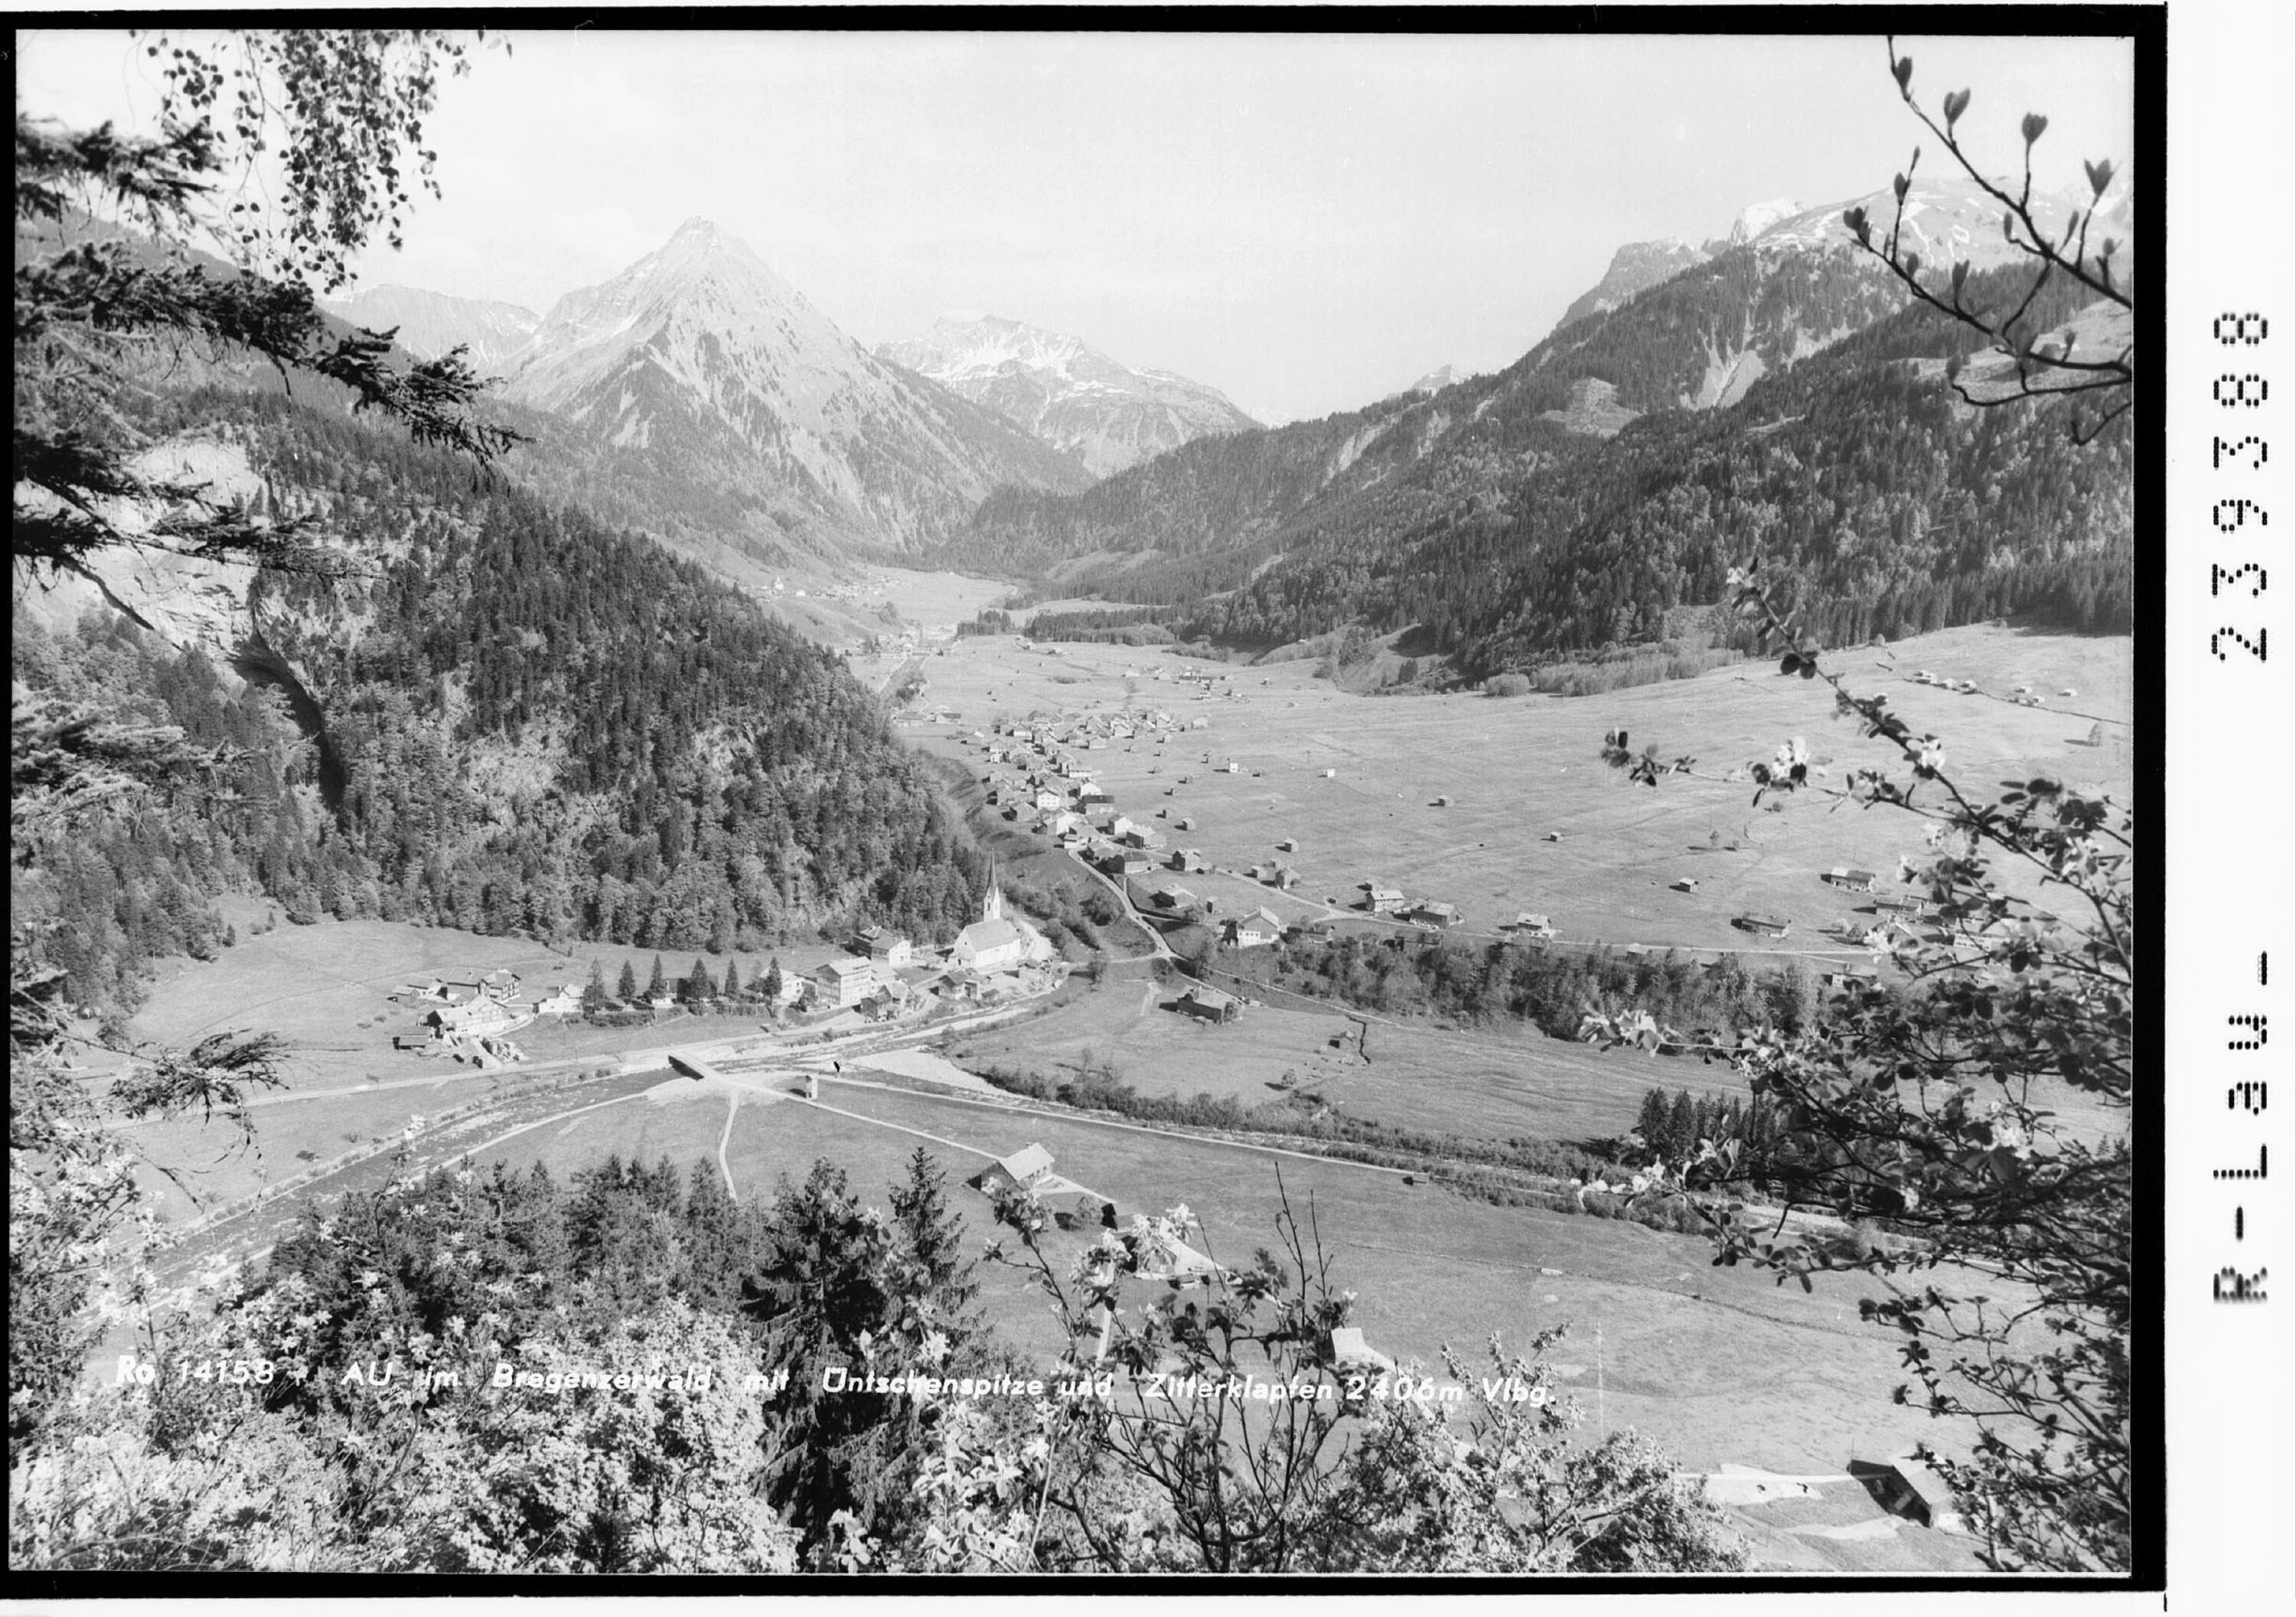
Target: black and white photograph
(953, 804)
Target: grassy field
(1502, 1083)
(326, 989)
(1517, 769)
(1718, 1365)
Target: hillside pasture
(1515, 770)
(327, 990)
(1716, 1363)
(1499, 1083)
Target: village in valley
(1559, 931)
(1216, 817)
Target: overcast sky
(1305, 222)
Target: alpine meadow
(1011, 914)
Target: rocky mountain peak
(1065, 391)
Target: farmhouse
(1209, 1003)
(1249, 931)
(846, 981)
(1768, 926)
(1172, 896)
(1125, 862)
(1529, 925)
(1429, 913)
(1144, 837)
(887, 950)
(482, 1015)
(1283, 878)
(1024, 1170)
(1187, 858)
(1856, 881)
(1383, 900)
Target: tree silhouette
(2043, 363)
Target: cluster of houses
(885, 976)
(1379, 899)
(473, 1019)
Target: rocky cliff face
(1635, 268)
(701, 354)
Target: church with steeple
(997, 942)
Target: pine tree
(626, 988)
(658, 984)
(698, 986)
(936, 1238)
(1682, 1127)
(1654, 1124)
(593, 992)
(770, 986)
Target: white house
(846, 981)
(1260, 927)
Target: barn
(1209, 1004)
(1024, 1170)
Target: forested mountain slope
(505, 716)
(1482, 515)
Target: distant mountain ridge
(701, 356)
(1944, 220)
(430, 324)
(1106, 414)
(1505, 513)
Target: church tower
(992, 907)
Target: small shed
(1345, 1349)
(1290, 844)
(1684, 885)
(1908, 1487)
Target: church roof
(984, 935)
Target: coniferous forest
(503, 717)
(1881, 503)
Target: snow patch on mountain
(1061, 388)
(702, 352)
